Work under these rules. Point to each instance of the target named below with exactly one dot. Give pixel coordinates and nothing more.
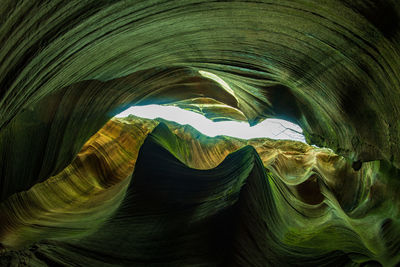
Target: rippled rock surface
(73, 189)
(144, 192)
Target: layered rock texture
(143, 192)
(79, 189)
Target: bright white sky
(270, 128)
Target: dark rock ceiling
(67, 67)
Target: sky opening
(269, 128)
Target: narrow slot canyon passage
(200, 133)
(269, 128)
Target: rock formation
(77, 188)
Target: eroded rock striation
(195, 200)
(73, 184)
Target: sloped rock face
(67, 67)
(196, 200)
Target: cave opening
(277, 129)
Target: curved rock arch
(67, 67)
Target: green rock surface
(331, 66)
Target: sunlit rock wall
(201, 200)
